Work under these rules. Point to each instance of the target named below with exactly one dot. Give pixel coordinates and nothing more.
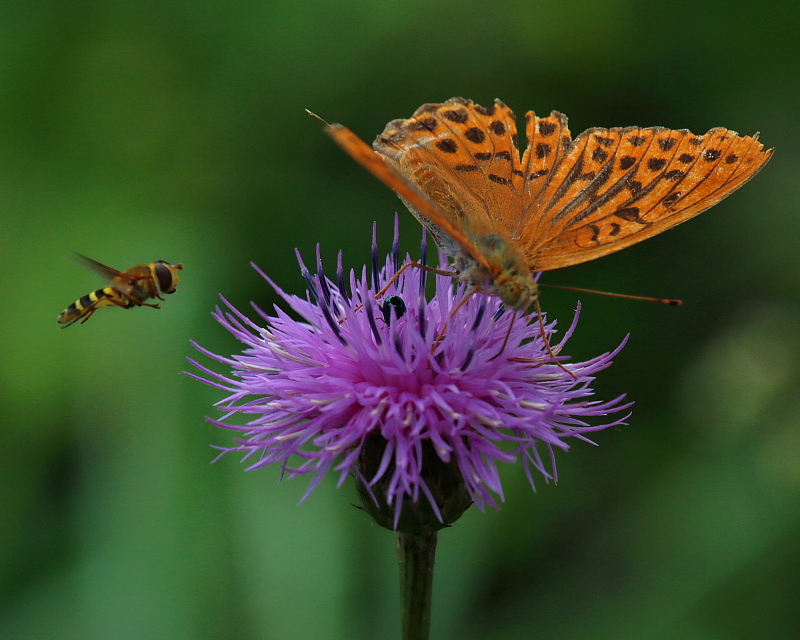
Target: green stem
(416, 554)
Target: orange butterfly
(457, 167)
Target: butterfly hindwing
(641, 182)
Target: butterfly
(503, 215)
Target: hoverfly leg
(135, 302)
(89, 314)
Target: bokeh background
(135, 131)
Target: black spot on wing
(547, 129)
(666, 143)
(456, 115)
(538, 174)
(475, 135)
(424, 124)
(631, 214)
(626, 181)
(498, 127)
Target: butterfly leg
(463, 301)
(543, 333)
(393, 279)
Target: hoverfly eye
(167, 279)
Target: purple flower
(467, 389)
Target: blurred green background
(135, 131)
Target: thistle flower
(419, 398)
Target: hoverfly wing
(104, 271)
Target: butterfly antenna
(311, 113)
(668, 301)
(543, 333)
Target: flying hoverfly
(126, 289)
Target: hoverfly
(126, 288)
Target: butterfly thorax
(510, 279)
(502, 270)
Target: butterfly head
(518, 291)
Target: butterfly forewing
(547, 140)
(441, 225)
(462, 156)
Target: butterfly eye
(516, 291)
